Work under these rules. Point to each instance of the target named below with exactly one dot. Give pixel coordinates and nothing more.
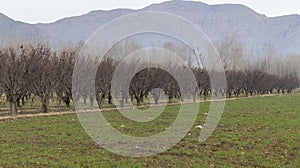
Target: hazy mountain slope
(253, 29)
(10, 30)
(217, 21)
(79, 28)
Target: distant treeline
(27, 70)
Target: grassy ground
(256, 132)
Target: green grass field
(254, 132)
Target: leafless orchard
(28, 70)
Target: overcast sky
(45, 11)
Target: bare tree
(232, 54)
(103, 80)
(45, 75)
(140, 85)
(203, 81)
(66, 62)
(14, 74)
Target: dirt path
(7, 118)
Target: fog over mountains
(217, 21)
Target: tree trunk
(23, 101)
(229, 94)
(59, 103)
(99, 100)
(122, 103)
(123, 100)
(13, 108)
(84, 99)
(141, 98)
(32, 101)
(28, 96)
(45, 105)
(237, 93)
(181, 98)
(156, 95)
(67, 102)
(200, 94)
(170, 98)
(138, 101)
(205, 94)
(156, 100)
(18, 102)
(195, 95)
(109, 98)
(92, 101)
(131, 97)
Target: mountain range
(254, 30)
